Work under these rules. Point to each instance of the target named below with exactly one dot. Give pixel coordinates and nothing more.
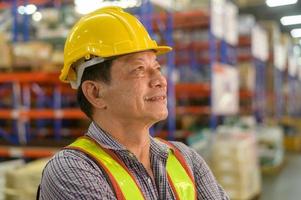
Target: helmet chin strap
(80, 68)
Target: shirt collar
(157, 148)
(103, 138)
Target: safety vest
(125, 186)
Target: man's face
(138, 89)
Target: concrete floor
(285, 185)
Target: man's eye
(139, 69)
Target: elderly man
(111, 60)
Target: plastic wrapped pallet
(271, 151)
(4, 168)
(234, 163)
(23, 182)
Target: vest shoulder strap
(179, 174)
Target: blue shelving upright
(259, 93)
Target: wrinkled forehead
(146, 56)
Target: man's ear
(93, 93)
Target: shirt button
(149, 181)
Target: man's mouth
(155, 98)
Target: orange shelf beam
(71, 113)
(187, 19)
(192, 90)
(30, 77)
(245, 94)
(244, 41)
(26, 152)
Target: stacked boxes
(234, 163)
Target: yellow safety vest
(124, 183)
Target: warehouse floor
(285, 185)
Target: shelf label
(15, 114)
(58, 114)
(16, 152)
(225, 84)
(259, 43)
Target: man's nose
(158, 80)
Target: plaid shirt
(70, 174)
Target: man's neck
(135, 139)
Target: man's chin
(161, 117)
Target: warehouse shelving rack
(21, 90)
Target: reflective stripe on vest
(179, 175)
(124, 183)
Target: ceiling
(261, 11)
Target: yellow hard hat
(105, 33)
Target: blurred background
(234, 88)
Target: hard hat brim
(162, 50)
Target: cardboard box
(5, 54)
(33, 54)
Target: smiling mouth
(155, 98)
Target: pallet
(273, 170)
